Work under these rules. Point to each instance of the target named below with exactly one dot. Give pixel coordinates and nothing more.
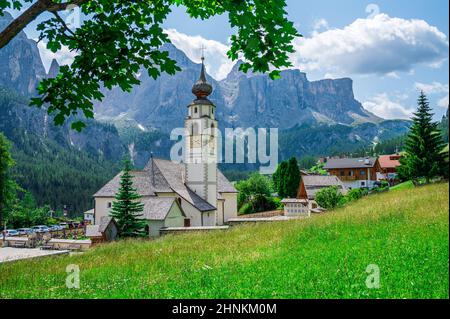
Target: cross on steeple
(203, 48)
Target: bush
(259, 204)
(329, 197)
(356, 194)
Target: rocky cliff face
(242, 99)
(21, 67)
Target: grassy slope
(404, 232)
(401, 186)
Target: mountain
(63, 167)
(242, 100)
(21, 68)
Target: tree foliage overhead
(424, 145)
(119, 37)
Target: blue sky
(391, 49)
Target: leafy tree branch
(121, 37)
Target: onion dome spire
(202, 88)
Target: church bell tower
(201, 144)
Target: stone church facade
(190, 194)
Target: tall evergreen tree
(423, 146)
(127, 208)
(5, 183)
(292, 178)
(279, 179)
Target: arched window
(212, 129)
(195, 110)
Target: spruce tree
(127, 208)
(279, 179)
(424, 157)
(292, 178)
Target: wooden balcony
(347, 178)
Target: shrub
(329, 197)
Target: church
(190, 194)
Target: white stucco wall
(101, 207)
(174, 218)
(230, 205)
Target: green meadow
(405, 233)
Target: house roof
(99, 229)
(314, 183)
(389, 161)
(362, 162)
(92, 231)
(292, 201)
(89, 212)
(157, 208)
(104, 223)
(164, 176)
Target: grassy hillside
(404, 232)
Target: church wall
(175, 217)
(230, 205)
(101, 208)
(220, 214)
(192, 213)
(154, 227)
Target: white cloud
(63, 56)
(383, 106)
(432, 88)
(320, 25)
(435, 88)
(380, 45)
(443, 102)
(218, 64)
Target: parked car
(54, 228)
(41, 229)
(63, 226)
(11, 233)
(24, 231)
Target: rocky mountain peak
(54, 69)
(21, 66)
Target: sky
(391, 49)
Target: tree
(127, 208)
(121, 36)
(292, 178)
(287, 178)
(255, 194)
(424, 144)
(329, 197)
(6, 162)
(279, 179)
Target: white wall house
(294, 207)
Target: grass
(405, 185)
(405, 233)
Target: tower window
(195, 110)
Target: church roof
(164, 176)
(157, 208)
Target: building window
(342, 173)
(363, 184)
(362, 173)
(350, 173)
(109, 205)
(195, 110)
